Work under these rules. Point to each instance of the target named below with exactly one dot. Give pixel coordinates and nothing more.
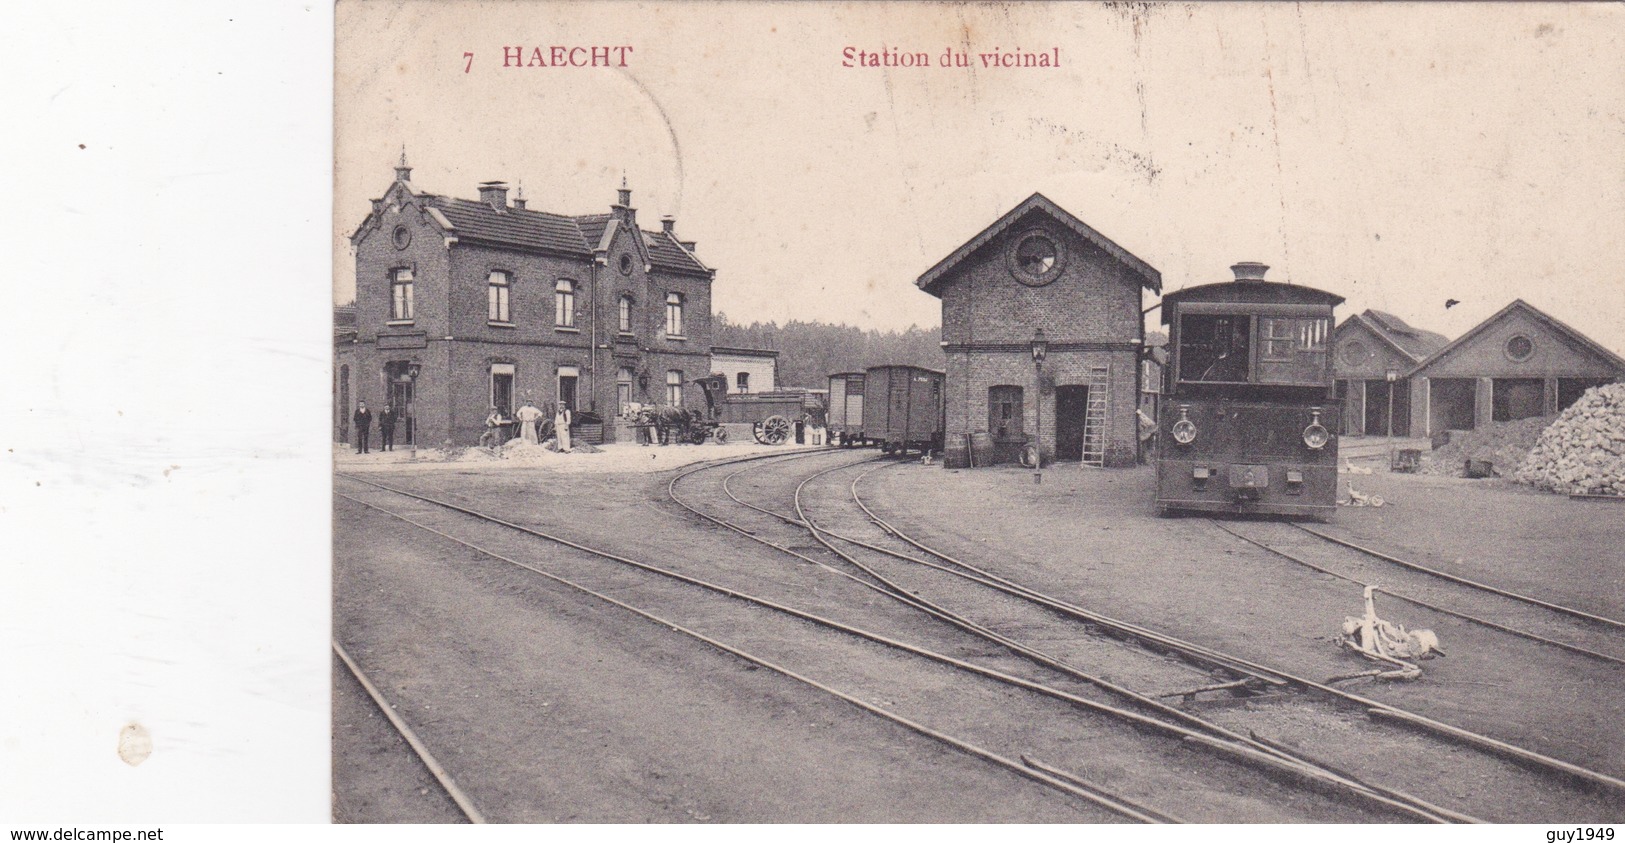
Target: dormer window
(400, 295)
(497, 290)
(625, 315)
(564, 304)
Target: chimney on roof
(519, 198)
(668, 224)
(495, 194)
(687, 244)
(1249, 271)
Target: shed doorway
(1377, 408)
(1517, 398)
(1071, 408)
(1451, 403)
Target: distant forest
(809, 352)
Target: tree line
(809, 352)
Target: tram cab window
(1214, 348)
(1292, 350)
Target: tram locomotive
(1249, 407)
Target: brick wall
(1094, 300)
(451, 298)
(971, 375)
(377, 257)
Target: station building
(1519, 363)
(1374, 353)
(465, 304)
(1039, 268)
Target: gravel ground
(1497, 532)
(621, 457)
(1091, 536)
(553, 707)
(728, 744)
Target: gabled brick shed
(1517, 364)
(1040, 267)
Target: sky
(1399, 155)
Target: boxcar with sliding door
(1249, 405)
(846, 409)
(903, 408)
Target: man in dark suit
(363, 426)
(386, 424)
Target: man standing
(363, 426)
(530, 420)
(386, 425)
(493, 422)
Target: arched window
(400, 295)
(497, 311)
(674, 388)
(564, 304)
(626, 314)
(674, 314)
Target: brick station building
(1039, 267)
(464, 304)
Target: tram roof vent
(1250, 270)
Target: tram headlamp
(1184, 430)
(1316, 435)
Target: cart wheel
(721, 435)
(775, 430)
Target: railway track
(447, 784)
(1159, 660)
(625, 580)
(1065, 718)
(1248, 674)
(1551, 625)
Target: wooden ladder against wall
(1094, 417)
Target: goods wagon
(903, 408)
(1249, 401)
(846, 409)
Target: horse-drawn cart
(765, 414)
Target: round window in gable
(626, 264)
(1355, 352)
(402, 236)
(1036, 259)
(1520, 348)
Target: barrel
(956, 453)
(981, 448)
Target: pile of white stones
(1583, 452)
